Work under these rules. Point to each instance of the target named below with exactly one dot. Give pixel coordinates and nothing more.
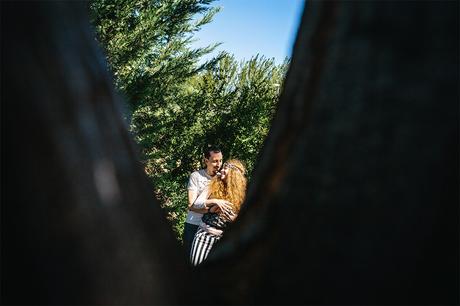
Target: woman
(225, 195)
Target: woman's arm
(198, 210)
(202, 205)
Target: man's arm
(192, 197)
(202, 205)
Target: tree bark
(355, 195)
(354, 198)
(79, 221)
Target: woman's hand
(221, 206)
(230, 216)
(224, 208)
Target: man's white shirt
(198, 182)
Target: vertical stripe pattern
(202, 244)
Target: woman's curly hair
(234, 188)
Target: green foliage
(176, 105)
(234, 104)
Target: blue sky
(248, 27)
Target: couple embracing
(215, 195)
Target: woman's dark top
(215, 220)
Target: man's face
(213, 163)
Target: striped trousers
(202, 244)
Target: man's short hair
(208, 149)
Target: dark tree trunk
(355, 195)
(79, 222)
(354, 199)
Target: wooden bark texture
(79, 221)
(355, 195)
(354, 199)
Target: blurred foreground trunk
(355, 195)
(354, 199)
(79, 222)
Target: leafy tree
(231, 104)
(177, 105)
(147, 45)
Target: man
(198, 182)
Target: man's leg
(189, 234)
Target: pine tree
(177, 105)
